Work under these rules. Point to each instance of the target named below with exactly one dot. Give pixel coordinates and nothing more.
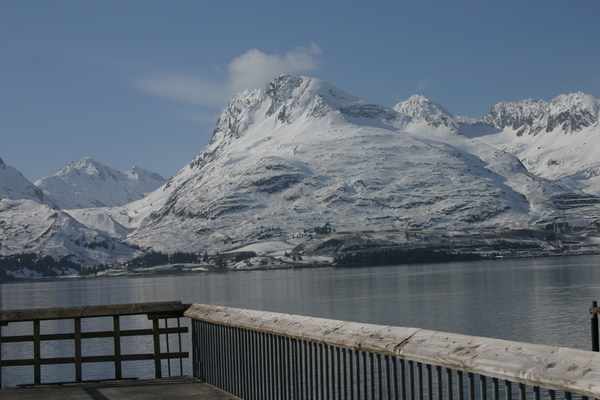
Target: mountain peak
(148, 180)
(288, 99)
(86, 165)
(577, 100)
(569, 112)
(421, 108)
(87, 161)
(281, 89)
(418, 105)
(520, 115)
(573, 112)
(88, 183)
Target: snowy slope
(120, 221)
(88, 183)
(31, 223)
(29, 227)
(14, 186)
(558, 140)
(302, 153)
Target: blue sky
(143, 82)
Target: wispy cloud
(253, 69)
(195, 116)
(185, 89)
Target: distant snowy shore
(340, 249)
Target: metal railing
(263, 355)
(154, 311)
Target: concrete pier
(147, 389)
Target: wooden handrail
(38, 314)
(549, 367)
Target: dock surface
(147, 389)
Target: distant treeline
(30, 263)
(155, 258)
(46, 266)
(392, 256)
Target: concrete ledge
(147, 389)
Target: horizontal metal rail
(263, 355)
(154, 311)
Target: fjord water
(542, 300)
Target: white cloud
(183, 88)
(255, 69)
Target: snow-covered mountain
(567, 113)
(30, 227)
(88, 183)
(303, 153)
(14, 186)
(31, 222)
(557, 140)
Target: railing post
(117, 346)
(37, 353)
(180, 349)
(77, 344)
(595, 339)
(167, 343)
(156, 337)
(1, 325)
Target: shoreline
(182, 271)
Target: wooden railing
(264, 355)
(154, 311)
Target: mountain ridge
(88, 183)
(554, 140)
(302, 153)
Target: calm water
(543, 301)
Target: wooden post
(156, 335)
(167, 342)
(595, 338)
(180, 350)
(77, 344)
(117, 346)
(1, 325)
(37, 350)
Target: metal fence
(260, 355)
